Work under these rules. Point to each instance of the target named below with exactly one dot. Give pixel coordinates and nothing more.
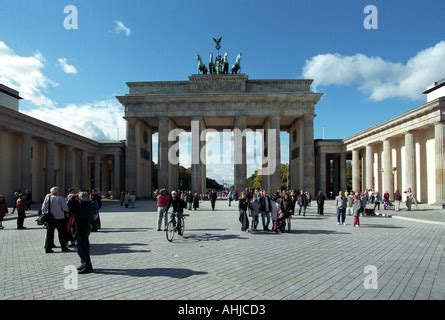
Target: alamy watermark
(71, 21)
(371, 21)
(199, 147)
(71, 281)
(371, 280)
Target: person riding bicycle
(178, 204)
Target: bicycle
(172, 226)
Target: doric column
(26, 161)
(369, 167)
(163, 153)
(117, 176)
(343, 171)
(322, 171)
(50, 165)
(84, 179)
(309, 154)
(197, 184)
(240, 168)
(410, 162)
(387, 169)
(336, 175)
(275, 177)
(105, 183)
(130, 156)
(69, 168)
(97, 172)
(439, 136)
(355, 171)
(173, 169)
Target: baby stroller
(387, 205)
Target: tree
(255, 180)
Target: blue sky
(376, 74)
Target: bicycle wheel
(182, 226)
(170, 233)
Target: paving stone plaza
(215, 260)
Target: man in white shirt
(56, 205)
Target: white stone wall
(38, 175)
(9, 102)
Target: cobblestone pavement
(215, 260)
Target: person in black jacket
(213, 197)
(178, 204)
(265, 209)
(83, 215)
(302, 202)
(320, 203)
(242, 207)
(97, 204)
(286, 206)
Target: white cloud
(99, 120)
(377, 78)
(120, 27)
(25, 75)
(66, 67)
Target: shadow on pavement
(206, 229)
(378, 226)
(211, 237)
(177, 273)
(99, 249)
(299, 232)
(108, 230)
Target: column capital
(409, 132)
(308, 117)
(131, 121)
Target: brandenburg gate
(218, 101)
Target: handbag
(46, 217)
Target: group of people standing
(75, 217)
(128, 199)
(278, 207)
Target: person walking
(242, 207)
(397, 200)
(377, 201)
(410, 199)
(357, 209)
(349, 203)
(321, 198)
(122, 198)
(213, 197)
(21, 210)
(83, 212)
(195, 201)
(340, 203)
(302, 202)
(3, 210)
(28, 197)
(161, 203)
(14, 204)
(132, 200)
(189, 200)
(56, 207)
(230, 198)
